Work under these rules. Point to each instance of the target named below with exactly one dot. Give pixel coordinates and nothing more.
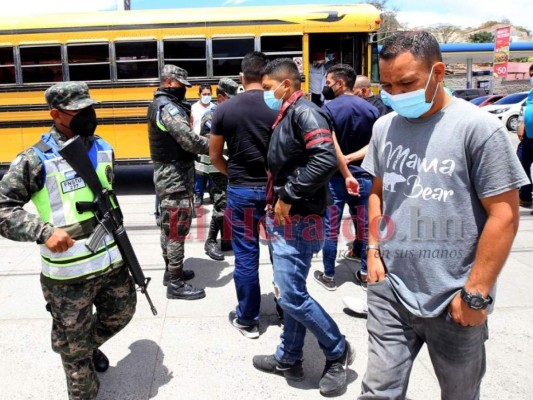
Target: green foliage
(481, 37)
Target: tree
(481, 37)
(389, 22)
(445, 33)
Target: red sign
(501, 51)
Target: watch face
(476, 302)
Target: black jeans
(525, 155)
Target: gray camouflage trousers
(176, 218)
(219, 194)
(77, 331)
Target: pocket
(449, 320)
(377, 284)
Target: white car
(507, 109)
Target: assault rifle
(107, 211)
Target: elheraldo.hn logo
(418, 228)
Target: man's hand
(521, 131)
(352, 186)
(375, 266)
(60, 241)
(464, 315)
(281, 212)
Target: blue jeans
(292, 246)
(395, 338)
(358, 207)
(245, 208)
(201, 182)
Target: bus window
(136, 60)
(187, 54)
(282, 46)
(41, 64)
(88, 62)
(7, 65)
(228, 54)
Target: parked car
(487, 100)
(507, 109)
(469, 94)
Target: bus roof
(359, 17)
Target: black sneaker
(272, 366)
(249, 331)
(333, 382)
(360, 281)
(350, 255)
(198, 201)
(327, 283)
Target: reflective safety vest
(204, 165)
(56, 204)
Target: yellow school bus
(120, 55)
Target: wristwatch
(475, 301)
(372, 247)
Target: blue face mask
(271, 100)
(410, 104)
(205, 99)
(531, 81)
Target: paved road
(190, 351)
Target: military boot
(187, 275)
(181, 290)
(210, 246)
(100, 361)
(225, 243)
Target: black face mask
(177, 92)
(328, 93)
(84, 123)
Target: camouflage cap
(69, 96)
(177, 73)
(228, 86)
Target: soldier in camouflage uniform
(226, 89)
(173, 148)
(73, 280)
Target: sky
(413, 13)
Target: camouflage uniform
(76, 331)
(174, 179)
(227, 88)
(219, 179)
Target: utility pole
(124, 5)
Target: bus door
(346, 48)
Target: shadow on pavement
(209, 273)
(133, 376)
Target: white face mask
(205, 100)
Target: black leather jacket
(301, 157)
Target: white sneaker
(357, 305)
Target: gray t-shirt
(434, 172)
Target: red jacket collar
(291, 100)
